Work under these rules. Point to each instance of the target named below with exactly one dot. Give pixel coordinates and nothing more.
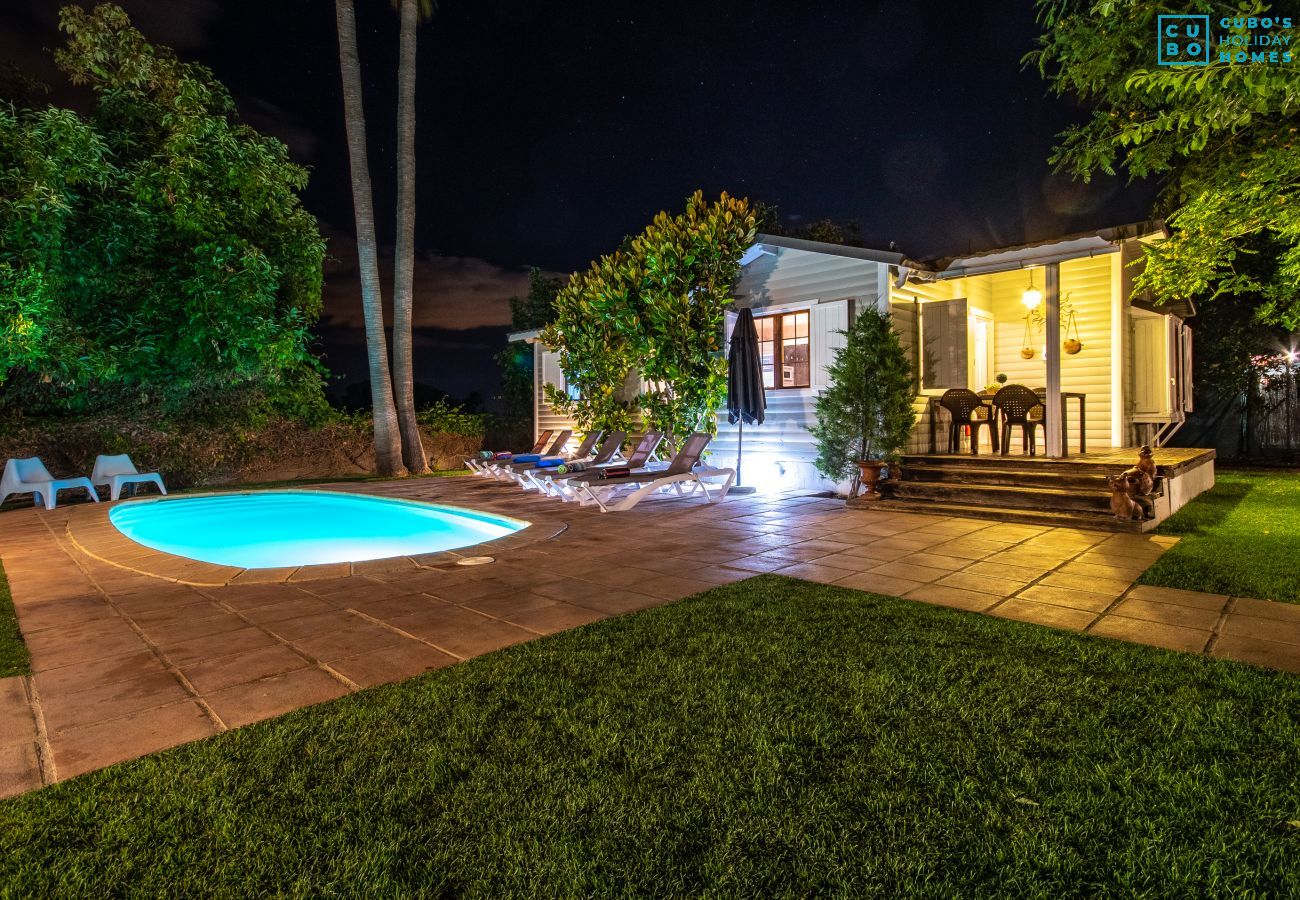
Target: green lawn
(769, 738)
(13, 652)
(1241, 538)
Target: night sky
(548, 131)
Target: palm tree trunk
(388, 448)
(403, 275)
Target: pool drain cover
(475, 561)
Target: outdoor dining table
(933, 409)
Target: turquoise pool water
(269, 529)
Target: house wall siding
(779, 454)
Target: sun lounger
(499, 467)
(521, 474)
(684, 470)
(561, 485)
(478, 464)
(115, 472)
(29, 476)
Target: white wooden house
(966, 320)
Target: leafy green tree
(685, 269)
(595, 333)
(1222, 137)
(865, 413)
(156, 251)
(533, 310)
(656, 306)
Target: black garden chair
(1021, 406)
(967, 409)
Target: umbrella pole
(740, 451)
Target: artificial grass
(1242, 537)
(13, 652)
(768, 738)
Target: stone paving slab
(127, 660)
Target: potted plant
(865, 415)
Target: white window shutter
(551, 372)
(828, 320)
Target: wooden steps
(1069, 493)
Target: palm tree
(388, 448)
(403, 268)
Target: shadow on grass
(1209, 510)
(1241, 538)
(13, 652)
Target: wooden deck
(1169, 460)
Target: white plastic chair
(29, 476)
(113, 472)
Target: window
(783, 348)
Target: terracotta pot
(1072, 346)
(1027, 353)
(870, 469)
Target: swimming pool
(270, 529)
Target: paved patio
(127, 663)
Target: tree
(686, 267)
(1222, 137)
(388, 445)
(154, 252)
(865, 413)
(594, 333)
(404, 264)
(655, 306)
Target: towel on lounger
(615, 472)
(549, 463)
(526, 458)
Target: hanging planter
(1071, 344)
(1026, 351)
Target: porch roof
(1038, 253)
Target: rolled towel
(561, 469)
(526, 458)
(485, 454)
(576, 466)
(550, 463)
(615, 472)
(502, 455)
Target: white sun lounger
(500, 469)
(564, 486)
(607, 493)
(521, 475)
(29, 476)
(115, 472)
(538, 479)
(480, 464)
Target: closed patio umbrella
(746, 400)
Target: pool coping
(96, 536)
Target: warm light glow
(1032, 295)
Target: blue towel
(550, 462)
(526, 458)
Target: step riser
(1020, 516)
(1038, 465)
(1059, 480)
(1000, 499)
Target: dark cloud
(451, 292)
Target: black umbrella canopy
(746, 400)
